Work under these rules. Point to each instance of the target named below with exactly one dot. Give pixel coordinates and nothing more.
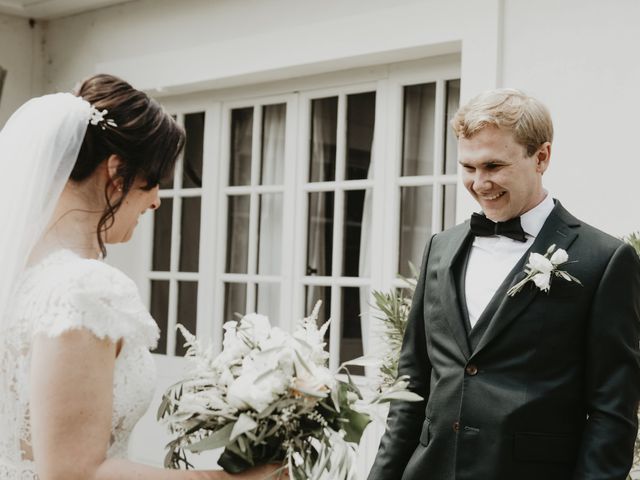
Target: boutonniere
(541, 268)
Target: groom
(541, 385)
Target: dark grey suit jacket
(545, 386)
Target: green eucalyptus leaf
(218, 439)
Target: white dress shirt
(492, 258)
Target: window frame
(388, 81)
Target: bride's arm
(71, 404)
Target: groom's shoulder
(452, 233)
(587, 233)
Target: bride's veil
(38, 148)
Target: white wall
(20, 47)
(581, 58)
(170, 47)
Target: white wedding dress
(61, 293)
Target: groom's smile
(499, 175)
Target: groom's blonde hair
(526, 117)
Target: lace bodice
(61, 293)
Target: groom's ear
(543, 156)
(112, 166)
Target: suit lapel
(559, 229)
(450, 293)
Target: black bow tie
(481, 226)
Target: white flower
(559, 257)
(542, 281)
(256, 391)
(256, 326)
(540, 268)
(540, 263)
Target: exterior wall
(20, 47)
(580, 58)
(172, 48)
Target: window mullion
(207, 321)
(176, 223)
(302, 207)
(438, 156)
(338, 233)
(289, 215)
(256, 158)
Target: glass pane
(415, 225)
(235, 300)
(192, 165)
(273, 131)
(313, 294)
(162, 236)
(324, 126)
(270, 234)
(450, 140)
(190, 241)
(241, 139)
(320, 233)
(354, 301)
(418, 131)
(354, 227)
(361, 115)
(238, 234)
(449, 206)
(160, 311)
(268, 301)
(187, 312)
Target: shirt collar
(533, 220)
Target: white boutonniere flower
(541, 268)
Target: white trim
(385, 184)
(208, 265)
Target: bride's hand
(271, 471)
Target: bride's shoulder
(65, 291)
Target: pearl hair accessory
(98, 118)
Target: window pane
(451, 142)
(235, 300)
(160, 311)
(162, 236)
(415, 225)
(190, 241)
(418, 131)
(273, 131)
(320, 233)
(312, 294)
(449, 206)
(324, 125)
(241, 139)
(361, 113)
(270, 234)
(187, 311)
(192, 166)
(353, 230)
(268, 301)
(354, 301)
(238, 234)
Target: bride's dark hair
(146, 138)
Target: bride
(75, 369)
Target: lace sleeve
(93, 295)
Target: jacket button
(456, 426)
(471, 369)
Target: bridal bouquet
(269, 397)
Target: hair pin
(98, 118)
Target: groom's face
(499, 174)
